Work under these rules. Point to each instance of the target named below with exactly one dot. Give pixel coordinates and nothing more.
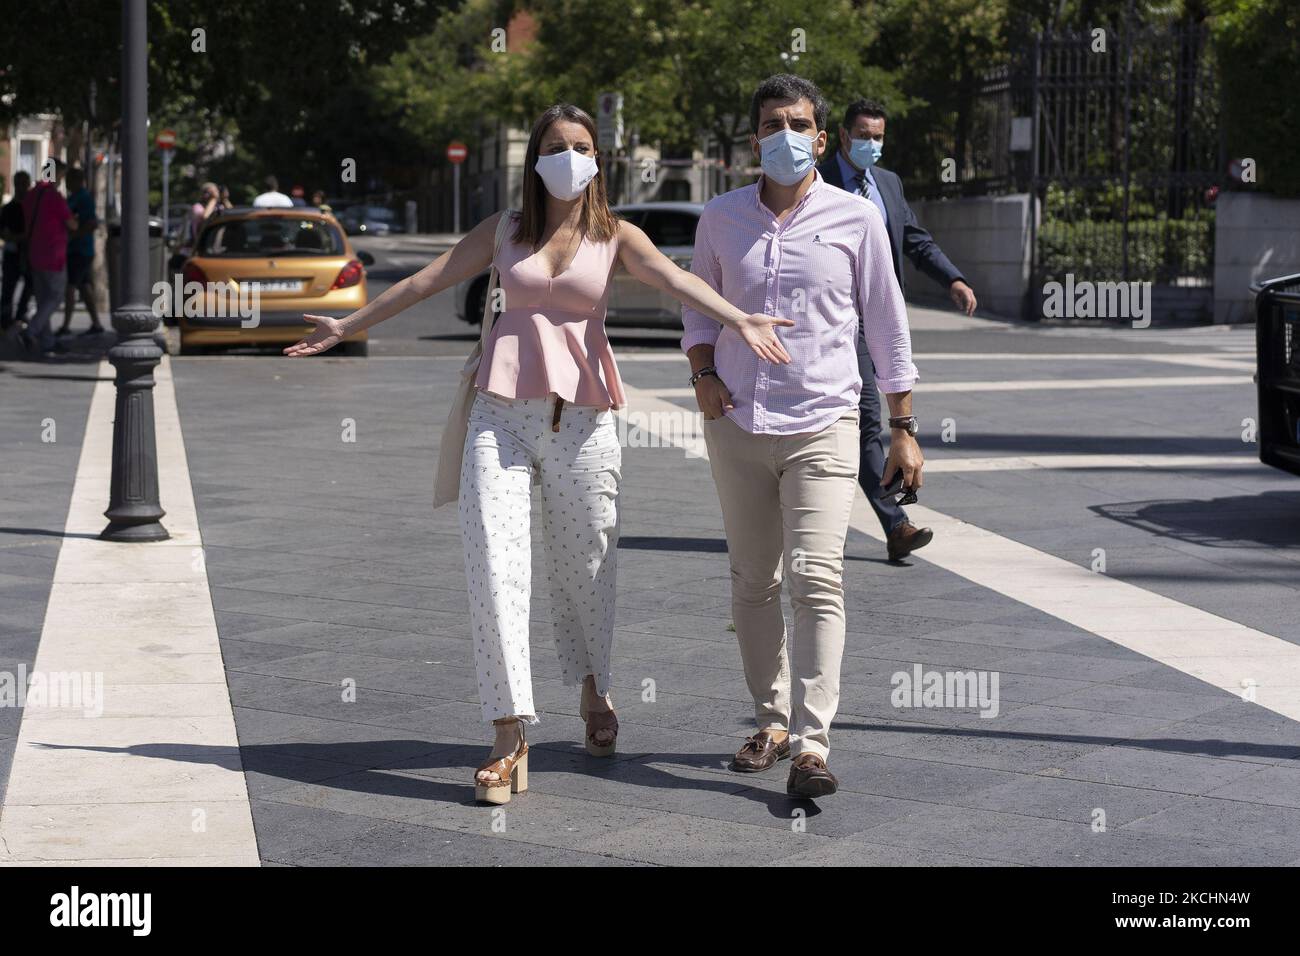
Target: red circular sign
(456, 152)
(166, 139)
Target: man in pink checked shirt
(783, 439)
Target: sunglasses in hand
(895, 487)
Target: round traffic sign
(166, 139)
(456, 152)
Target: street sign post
(609, 122)
(609, 133)
(166, 141)
(457, 152)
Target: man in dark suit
(853, 167)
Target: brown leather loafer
(809, 777)
(906, 538)
(760, 753)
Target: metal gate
(1126, 159)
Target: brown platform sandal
(594, 746)
(511, 771)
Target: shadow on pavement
(1096, 445)
(375, 766)
(1208, 747)
(1267, 520)
(633, 542)
(47, 532)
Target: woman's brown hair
(597, 222)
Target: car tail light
(192, 273)
(349, 275)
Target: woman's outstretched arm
(647, 264)
(465, 260)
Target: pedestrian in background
(201, 211)
(14, 265)
(272, 198)
(81, 255)
(783, 439)
(49, 223)
(539, 410)
(854, 167)
(318, 200)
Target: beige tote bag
(446, 486)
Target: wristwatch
(907, 423)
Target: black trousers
(12, 272)
(872, 437)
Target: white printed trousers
(510, 442)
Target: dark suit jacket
(906, 236)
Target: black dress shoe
(906, 538)
(760, 753)
(809, 777)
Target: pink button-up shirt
(828, 267)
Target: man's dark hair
(272, 184)
(22, 176)
(787, 86)
(863, 108)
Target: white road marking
(1087, 462)
(155, 777)
(1083, 384)
(1227, 655)
(1045, 384)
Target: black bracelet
(707, 370)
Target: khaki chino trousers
(786, 502)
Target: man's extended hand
(905, 454)
(963, 296)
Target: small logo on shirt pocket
(817, 237)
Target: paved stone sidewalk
(38, 402)
(329, 567)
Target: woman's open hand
(759, 333)
(327, 334)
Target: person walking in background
(208, 203)
(272, 198)
(49, 223)
(854, 167)
(542, 400)
(318, 200)
(783, 439)
(81, 255)
(14, 265)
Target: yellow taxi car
(259, 269)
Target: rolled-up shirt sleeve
(884, 314)
(699, 328)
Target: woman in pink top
(543, 415)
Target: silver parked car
(670, 226)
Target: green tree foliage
(1257, 43)
(683, 68)
(288, 77)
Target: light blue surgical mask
(865, 153)
(787, 156)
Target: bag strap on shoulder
(503, 224)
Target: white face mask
(566, 174)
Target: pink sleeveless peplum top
(551, 335)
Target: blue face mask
(864, 153)
(787, 156)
